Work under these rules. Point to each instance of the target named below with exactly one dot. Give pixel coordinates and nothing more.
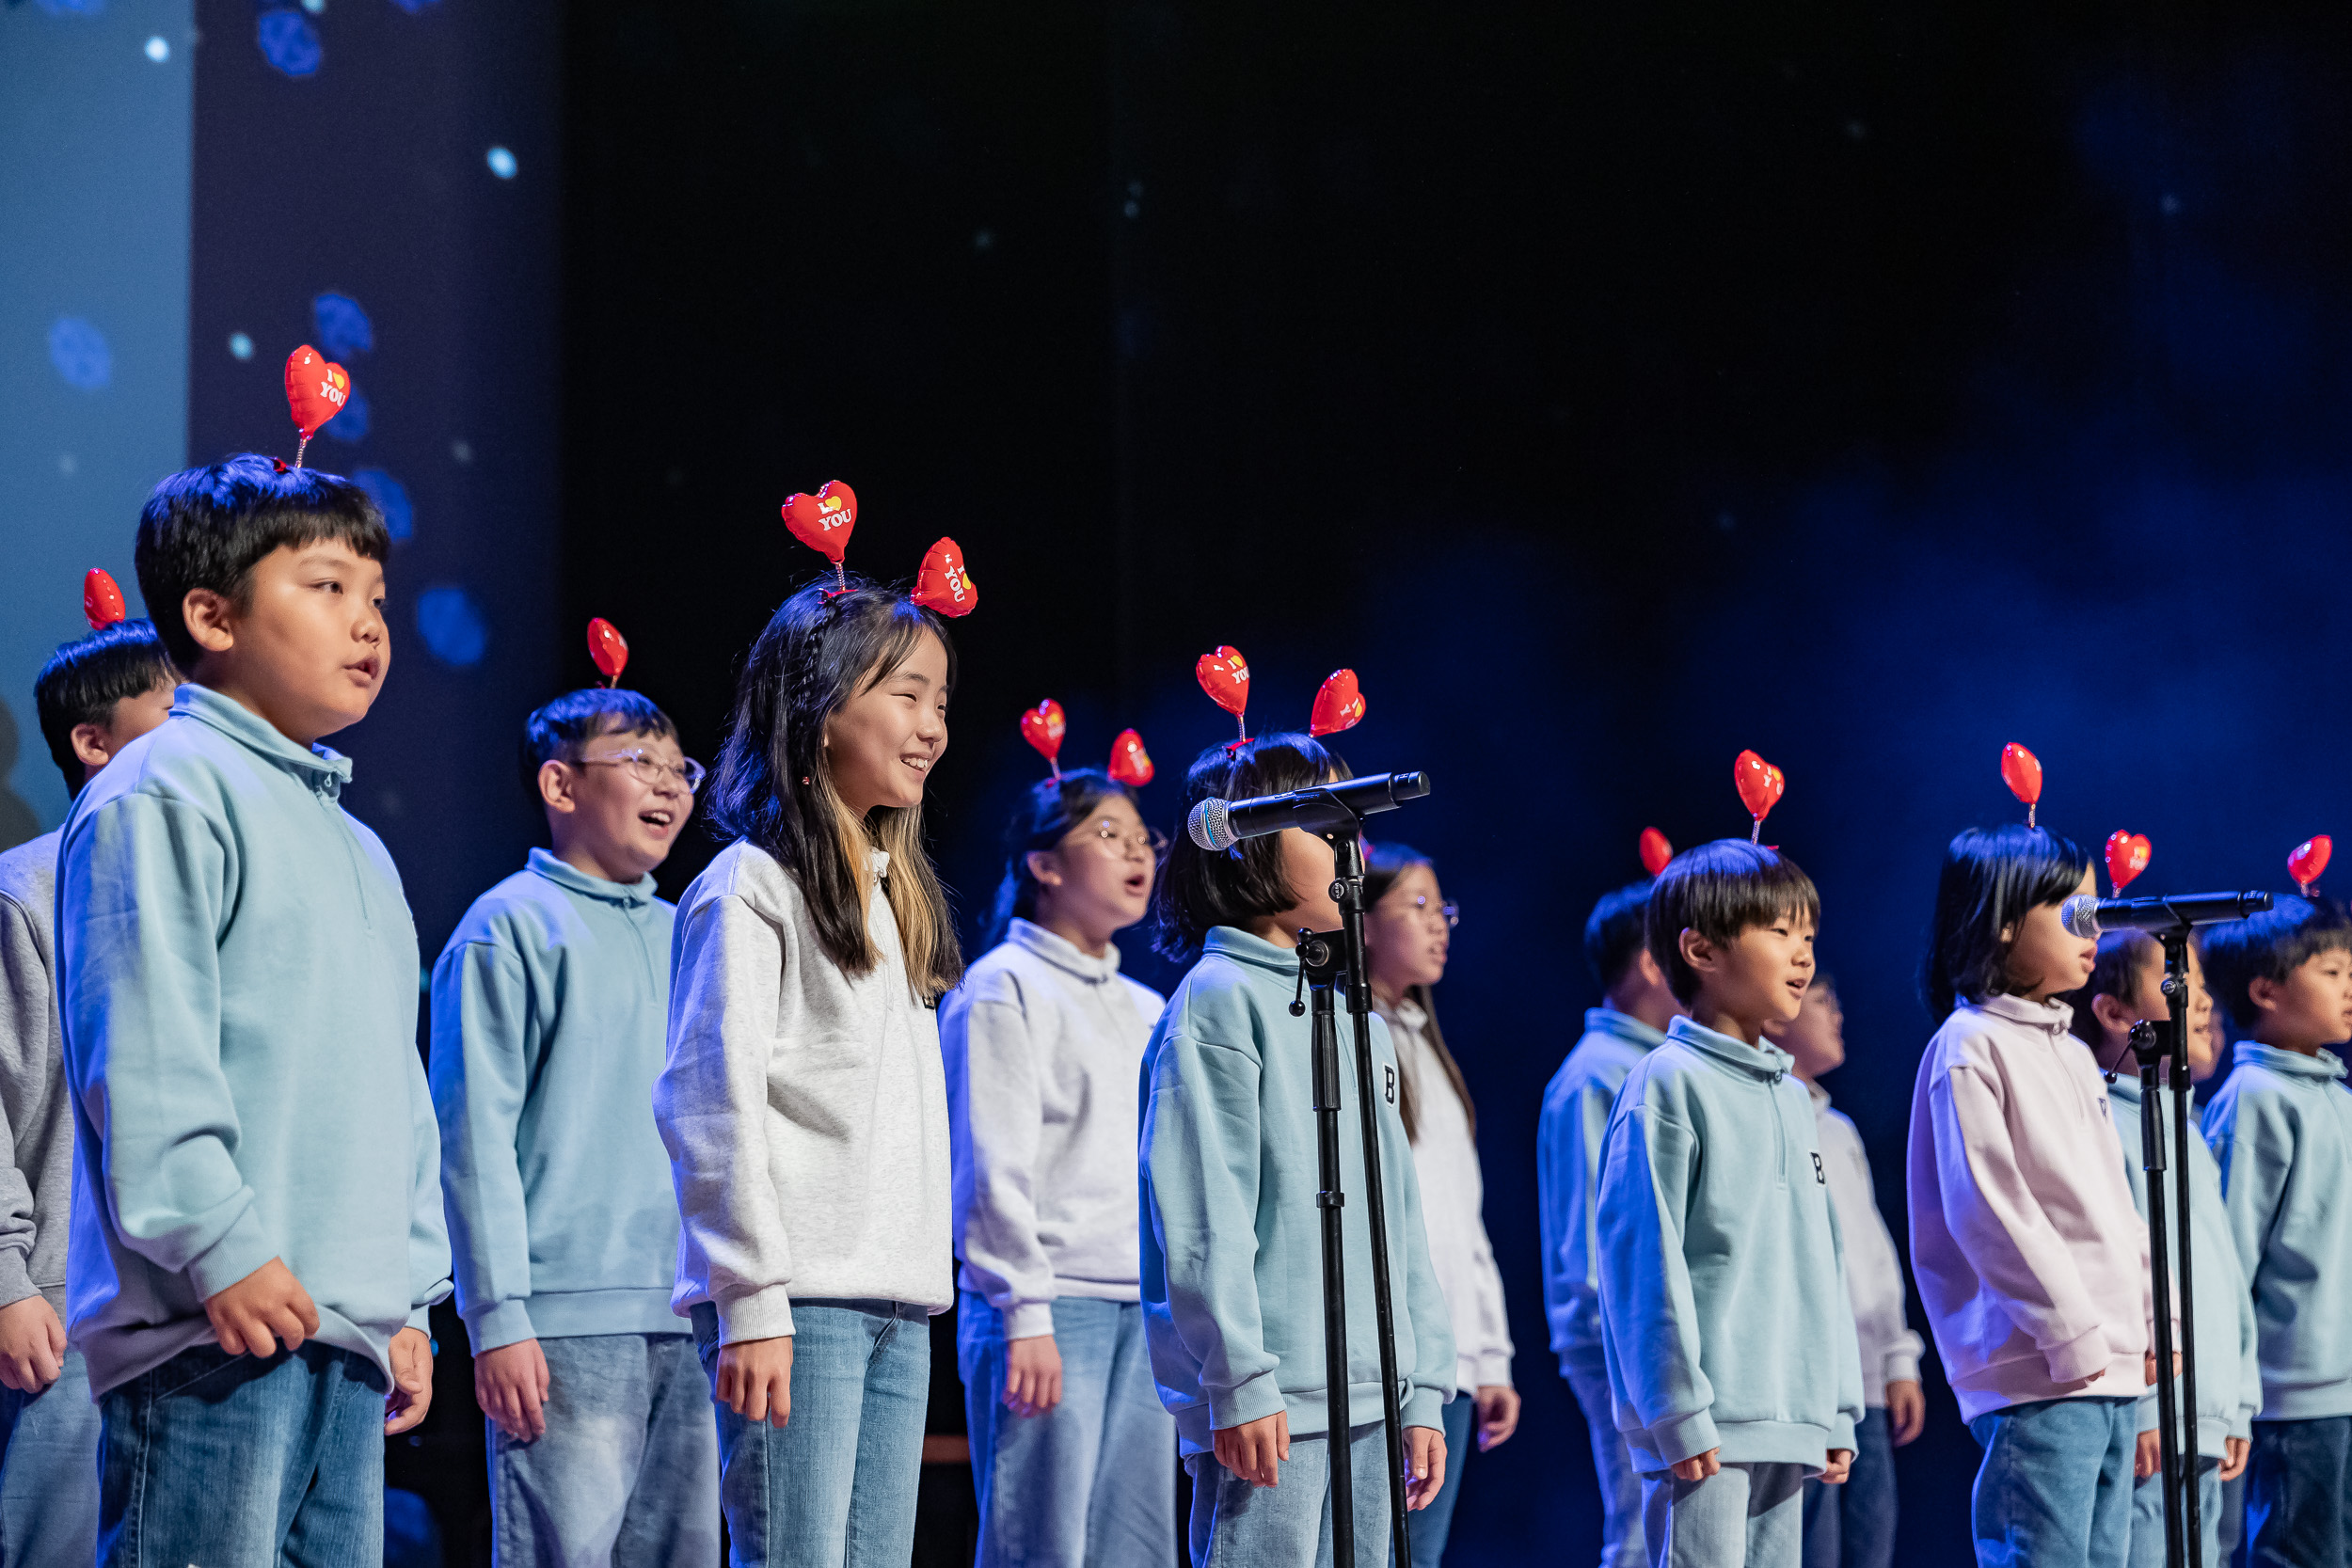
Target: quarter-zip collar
(321, 768)
(1608, 1021)
(2053, 1015)
(1232, 941)
(1064, 954)
(2321, 1068)
(1764, 1060)
(629, 895)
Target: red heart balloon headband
(316, 390)
(1656, 850)
(2127, 857)
(823, 521)
(607, 647)
(2022, 771)
(1044, 725)
(1224, 675)
(102, 600)
(1760, 787)
(2308, 860)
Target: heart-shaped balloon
(2127, 857)
(824, 520)
(2022, 771)
(1656, 851)
(102, 599)
(1042, 727)
(1760, 786)
(1338, 706)
(607, 647)
(2309, 859)
(1225, 676)
(316, 390)
(942, 584)
(1131, 765)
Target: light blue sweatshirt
(1576, 1103)
(1233, 1251)
(237, 978)
(550, 1008)
(2281, 1131)
(2229, 1372)
(1724, 1315)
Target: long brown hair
(1383, 864)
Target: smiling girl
(802, 1104)
(1072, 1454)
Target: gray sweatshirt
(1043, 1044)
(36, 1115)
(804, 1109)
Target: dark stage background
(1611, 388)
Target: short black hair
(1200, 887)
(1991, 877)
(209, 527)
(1049, 809)
(557, 732)
(1720, 890)
(2269, 946)
(83, 680)
(1615, 931)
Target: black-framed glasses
(650, 770)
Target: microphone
(1221, 824)
(2087, 916)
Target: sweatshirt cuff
(1682, 1437)
(1424, 1407)
(2242, 1424)
(1841, 1433)
(1253, 1401)
(762, 1314)
(1028, 1320)
(1494, 1370)
(1902, 1367)
(231, 1258)
(16, 1280)
(421, 1321)
(2085, 1355)
(502, 1323)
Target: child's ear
(211, 620)
(1696, 950)
(2262, 991)
(2112, 1014)
(1645, 964)
(1045, 867)
(555, 787)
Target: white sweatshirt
(1874, 1270)
(1044, 1048)
(2029, 1254)
(1453, 1195)
(805, 1109)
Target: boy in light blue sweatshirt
(1725, 1322)
(551, 1007)
(1637, 1006)
(2281, 1131)
(257, 1204)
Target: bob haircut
(2123, 963)
(83, 680)
(1615, 931)
(2269, 947)
(1991, 877)
(1718, 891)
(1200, 887)
(557, 731)
(773, 786)
(1383, 864)
(208, 528)
(1048, 811)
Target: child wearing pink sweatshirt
(2029, 1253)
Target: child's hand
(411, 1353)
(1498, 1414)
(2149, 1457)
(32, 1345)
(2233, 1455)
(266, 1306)
(510, 1383)
(1840, 1466)
(1254, 1450)
(1906, 1411)
(1032, 1375)
(1700, 1466)
(1424, 1466)
(755, 1379)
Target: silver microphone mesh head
(1208, 827)
(2080, 916)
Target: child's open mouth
(659, 818)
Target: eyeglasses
(1149, 841)
(1449, 911)
(650, 770)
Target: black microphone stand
(2176, 995)
(2150, 1050)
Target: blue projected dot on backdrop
(79, 352)
(350, 426)
(157, 50)
(452, 625)
(501, 162)
(289, 42)
(343, 327)
(391, 497)
(240, 346)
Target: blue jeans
(1852, 1525)
(212, 1458)
(2055, 1490)
(1092, 1480)
(49, 1473)
(1742, 1514)
(1288, 1524)
(2299, 1494)
(1432, 1525)
(835, 1487)
(2230, 1534)
(628, 1470)
(2148, 1516)
(1621, 1542)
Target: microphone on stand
(1221, 824)
(2087, 916)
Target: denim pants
(1852, 1525)
(1621, 1542)
(2055, 1490)
(2299, 1494)
(835, 1487)
(2148, 1516)
(1742, 1514)
(628, 1469)
(49, 1473)
(1288, 1524)
(220, 1459)
(1092, 1480)
(1432, 1525)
